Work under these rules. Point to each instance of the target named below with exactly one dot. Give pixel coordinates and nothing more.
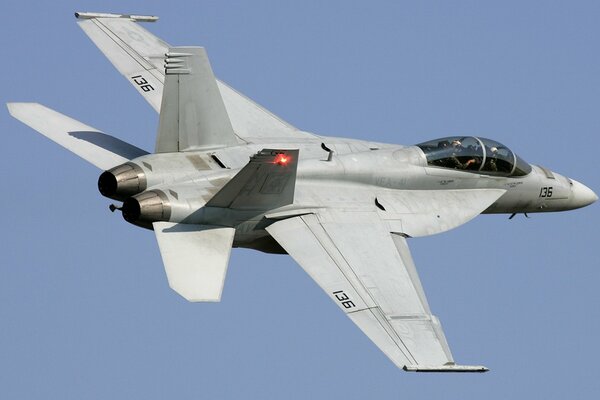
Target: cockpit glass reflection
(474, 154)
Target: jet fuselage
(177, 186)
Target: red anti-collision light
(282, 159)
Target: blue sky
(85, 310)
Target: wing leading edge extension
(370, 274)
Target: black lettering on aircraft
(546, 191)
(344, 299)
(142, 83)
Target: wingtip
(14, 106)
(135, 18)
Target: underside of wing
(369, 273)
(139, 56)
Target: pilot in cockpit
(457, 150)
(443, 144)
(491, 164)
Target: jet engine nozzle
(146, 208)
(122, 181)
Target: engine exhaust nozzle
(146, 208)
(122, 181)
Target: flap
(195, 258)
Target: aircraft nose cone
(582, 195)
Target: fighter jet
(227, 173)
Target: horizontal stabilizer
(195, 258)
(267, 182)
(98, 148)
(192, 113)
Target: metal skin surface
(227, 173)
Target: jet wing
(139, 56)
(369, 273)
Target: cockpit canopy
(473, 154)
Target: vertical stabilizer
(192, 114)
(267, 182)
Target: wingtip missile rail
(136, 18)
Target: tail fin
(268, 181)
(97, 148)
(192, 114)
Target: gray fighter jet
(227, 173)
